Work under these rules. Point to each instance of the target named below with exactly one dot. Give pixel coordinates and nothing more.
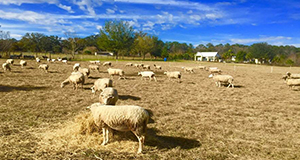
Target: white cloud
(261, 39)
(88, 5)
(99, 27)
(190, 12)
(110, 11)
(67, 8)
(16, 36)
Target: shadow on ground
(126, 97)
(19, 88)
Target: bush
(87, 52)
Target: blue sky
(276, 22)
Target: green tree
(228, 54)
(144, 44)
(241, 56)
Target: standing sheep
(156, 66)
(23, 63)
(109, 96)
(113, 72)
(10, 61)
(149, 74)
(76, 66)
(94, 67)
(121, 118)
(293, 82)
(187, 69)
(6, 66)
(107, 64)
(44, 67)
(75, 78)
(174, 74)
(292, 76)
(100, 84)
(223, 79)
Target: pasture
(194, 119)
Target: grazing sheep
(201, 67)
(48, 59)
(188, 69)
(64, 61)
(59, 59)
(44, 67)
(23, 63)
(109, 96)
(53, 60)
(101, 84)
(76, 66)
(149, 74)
(293, 82)
(292, 76)
(107, 64)
(6, 66)
(174, 74)
(113, 72)
(38, 60)
(84, 71)
(10, 61)
(94, 67)
(129, 64)
(75, 78)
(95, 62)
(223, 79)
(146, 67)
(214, 70)
(156, 66)
(121, 118)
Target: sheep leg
(104, 136)
(141, 142)
(219, 84)
(154, 79)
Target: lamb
(94, 67)
(64, 61)
(84, 71)
(23, 63)
(109, 96)
(129, 64)
(122, 118)
(10, 61)
(156, 66)
(225, 79)
(293, 82)
(188, 69)
(100, 84)
(149, 74)
(107, 64)
(6, 66)
(75, 78)
(44, 67)
(119, 72)
(174, 74)
(76, 66)
(146, 67)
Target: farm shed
(206, 56)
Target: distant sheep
(101, 84)
(84, 71)
(146, 67)
(129, 64)
(109, 96)
(45, 67)
(113, 72)
(293, 82)
(6, 66)
(107, 64)
(292, 76)
(23, 63)
(121, 118)
(10, 61)
(95, 62)
(214, 70)
(157, 67)
(94, 67)
(201, 67)
(149, 74)
(76, 66)
(75, 79)
(188, 69)
(64, 61)
(223, 79)
(174, 74)
(38, 60)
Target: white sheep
(23, 63)
(64, 61)
(38, 60)
(109, 96)
(113, 72)
(101, 84)
(10, 61)
(94, 67)
(292, 76)
(48, 59)
(107, 64)
(76, 66)
(149, 74)
(136, 65)
(201, 67)
(223, 79)
(146, 67)
(156, 66)
(174, 74)
(6, 66)
(75, 78)
(129, 64)
(59, 59)
(95, 62)
(188, 69)
(293, 82)
(84, 71)
(121, 118)
(45, 67)
(53, 60)
(214, 70)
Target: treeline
(121, 39)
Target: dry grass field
(194, 119)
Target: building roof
(207, 54)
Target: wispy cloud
(260, 39)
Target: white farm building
(207, 56)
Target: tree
(261, 50)
(5, 42)
(73, 43)
(241, 56)
(228, 54)
(116, 36)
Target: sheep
(129, 64)
(10, 61)
(214, 70)
(109, 96)
(94, 67)
(113, 72)
(100, 84)
(76, 66)
(95, 62)
(107, 64)
(6, 66)
(174, 74)
(201, 67)
(44, 67)
(122, 118)
(23, 63)
(146, 67)
(156, 66)
(64, 61)
(136, 65)
(292, 76)
(188, 69)
(149, 74)
(84, 71)
(48, 59)
(53, 60)
(225, 79)
(59, 59)
(37, 60)
(293, 82)
(75, 78)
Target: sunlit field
(194, 119)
